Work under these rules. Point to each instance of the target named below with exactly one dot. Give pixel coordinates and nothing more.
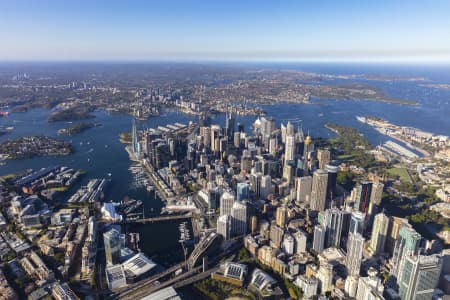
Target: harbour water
(99, 151)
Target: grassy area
(59, 188)
(213, 289)
(345, 157)
(401, 172)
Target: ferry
(361, 119)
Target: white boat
(361, 119)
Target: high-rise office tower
(407, 244)
(362, 199)
(224, 226)
(136, 146)
(300, 242)
(288, 172)
(246, 163)
(376, 193)
(303, 188)
(420, 276)
(276, 235)
(357, 222)
(355, 246)
(370, 287)
(273, 146)
(266, 186)
(394, 227)
(288, 244)
(319, 238)
(215, 135)
(319, 190)
(289, 151)
(112, 240)
(374, 203)
(281, 216)
(333, 223)
(237, 140)
(323, 156)
(257, 166)
(270, 126)
(239, 218)
(379, 234)
(226, 203)
(229, 125)
(331, 184)
(242, 191)
(290, 130)
(325, 277)
(255, 184)
(346, 217)
(283, 133)
(205, 133)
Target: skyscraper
(363, 191)
(288, 244)
(377, 193)
(407, 244)
(394, 227)
(242, 191)
(229, 125)
(289, 154)
(281, 216)
(290, 130)
(319, 190)
(224, 226)
(325, 276)
(355, 246)
(323, 156)
(420, 276)
(205, 133)
(215, 134)
(273, 146)
(319, 238)
(300, 242)
(266, 186)
(333, 223)
(135, 139)
(331, 184)
(112, 242)
(370, 287)
(276, 235)
(379, 234)
(303, 188)
(226, 203)
(357, 222)
(239, 218)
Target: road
(160, 218)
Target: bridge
(132, 288)
(145, 288)
(160, 219)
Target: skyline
(401, 31)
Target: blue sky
(397, 30)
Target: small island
(72, 114)
(77, 128)
(31, 146)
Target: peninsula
(31, 146)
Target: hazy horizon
(255, 31)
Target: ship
(361, 119)
(4, 113)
